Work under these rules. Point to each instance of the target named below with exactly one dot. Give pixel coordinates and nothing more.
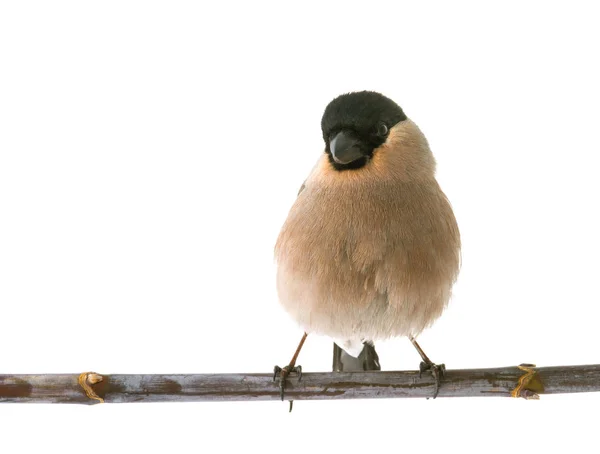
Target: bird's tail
(366, 360)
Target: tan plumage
(371, 253)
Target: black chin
(356, 164)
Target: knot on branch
(86, 380)
(528, 383)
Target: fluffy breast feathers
(371, 253)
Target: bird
(370, 249)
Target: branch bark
(91, 388)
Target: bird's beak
(345, 148)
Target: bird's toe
(283, 373)
(436, 370)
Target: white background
(150, 152)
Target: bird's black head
(355, 124)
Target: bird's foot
(283, 373)
(436, 370)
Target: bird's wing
(302, 187)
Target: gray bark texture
(91, 388)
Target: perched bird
(370, 248)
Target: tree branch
(90, 388)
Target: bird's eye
(382, 129)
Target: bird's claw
(276, 370)
(283, 374)
(437, 371)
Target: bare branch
(91, 388)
